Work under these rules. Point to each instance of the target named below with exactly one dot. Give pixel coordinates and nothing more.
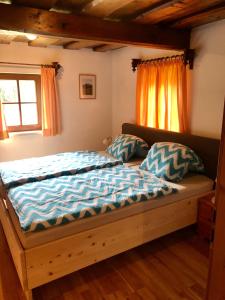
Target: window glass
(8, 91)
(12, 114)
(27, 91)
(29, 114)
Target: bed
(45, 255)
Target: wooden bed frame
(42, 264)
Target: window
(20, 96)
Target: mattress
(191, 186)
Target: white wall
(208, 78)
(208, 82)
(85, 122)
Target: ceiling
(174, 14)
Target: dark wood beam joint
(189, 55)
(134, 63)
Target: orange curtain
(51, 121)
(161, 96)
(3, 129)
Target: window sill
(21, 133)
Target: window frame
(17, 77)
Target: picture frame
(87, 86)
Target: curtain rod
(187, 56)
(54, 65)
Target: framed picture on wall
(87, 86)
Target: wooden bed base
(44, 263)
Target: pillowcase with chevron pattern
(126, 145)
(171, 161)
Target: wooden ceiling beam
(21, 39)
(205, 17)
(6, 39)
(162, 10)
(77, 45)
(192, 7)
(43, 41)
(73, 6)
(134, 9)
(44, 22)
(63, 42)
(175, 9)
(44, 4)
(104, 8)
(108, 47)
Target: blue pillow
(126, 145)
(171, 161)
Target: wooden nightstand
(206, 216)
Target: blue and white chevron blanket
(19, 172)
(50, 202)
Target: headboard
(206, 148)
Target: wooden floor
(170, 268)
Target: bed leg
(28, 294)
